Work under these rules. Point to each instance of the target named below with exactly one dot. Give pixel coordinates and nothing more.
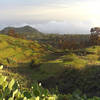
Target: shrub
(12, 91)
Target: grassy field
(14, 50)
(29, 61)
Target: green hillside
(14, 51)
(29, 61)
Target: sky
(51, 16)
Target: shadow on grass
(86, 80)
(53, 56)
(23, 69)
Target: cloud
(65, 27)
(52, 11)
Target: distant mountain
(28, 31)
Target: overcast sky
(53, 16)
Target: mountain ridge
(28, 31)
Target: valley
(65, 69)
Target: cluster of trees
(68, 41)
(72, 44)
(95, 39)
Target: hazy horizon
(51, 16)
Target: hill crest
(28, 31)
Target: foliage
(12, 91)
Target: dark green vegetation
(68, 70)
(12, 90)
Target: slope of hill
(27, 31)
(20, 56)
(15, 50)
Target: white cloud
(66, 27)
